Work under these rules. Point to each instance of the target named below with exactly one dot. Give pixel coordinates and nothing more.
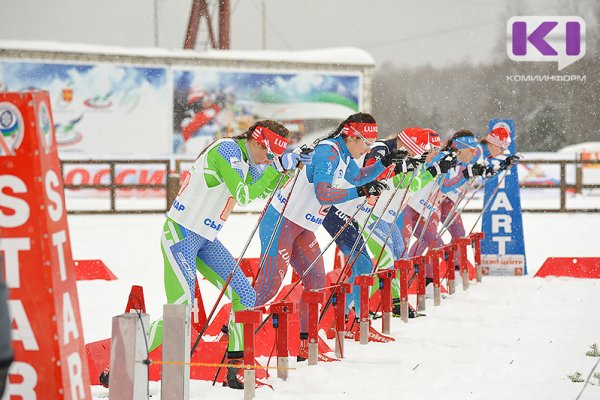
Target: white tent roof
(341, 55)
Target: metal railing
(171, 185)
(112, 187)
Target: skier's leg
(179, 247)
(376, 244)
(305, 250)
(456, 228)
(215, 263)
(276, 263)
(333, 222)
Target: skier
(332, 178)
(422, 145)
(422, 214)
(485, 163)
(338, 214)
(228, 172)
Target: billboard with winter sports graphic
(99, 107)
(210, 103)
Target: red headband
(270, 139)
(357, 129)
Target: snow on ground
(508, 337)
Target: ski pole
(280, 218)
(237, 264)
(481, 185)
(407, 243)
(389, 234)
(398, 211)
(487, 204)
(454, 211)
(314, 262)
(277, 224)
(437, 191)
(414, 275)
(506, 167)
(349, 262)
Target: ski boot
(235, 374)
(103, 378)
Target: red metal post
(476, 239)
(340, 316)
(449, 251)
(365, 282)
(420, 263)
(249, 318)
(224, 24)
(404, 267)
(313, 299)
(435, 255)
(464, 264)
(280, 313)
(385, 279)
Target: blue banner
(503, 249)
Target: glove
(475, 170)
(409, 164)
(442, 166)
(402, 167)
(372, 188)
(306, 156)
(509, 162)
(394, 157)
(287, 162)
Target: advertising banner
(50, 361)
(210, 103)
(503, 249)
(99, 108)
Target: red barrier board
(87, 270)
(576, 267)
(50, 361)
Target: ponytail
(458, 134)
(358, 117)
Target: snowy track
(509, 337)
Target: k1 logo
(538, 38)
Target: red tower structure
(206, 9)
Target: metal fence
(172, 169)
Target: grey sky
(407, 32)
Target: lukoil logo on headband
(539, 38)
